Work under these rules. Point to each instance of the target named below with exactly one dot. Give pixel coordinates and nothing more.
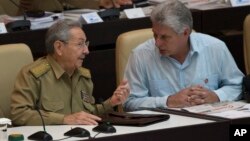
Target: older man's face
(75, 50)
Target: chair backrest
(246, 43)
(12, 58)
(125, 43)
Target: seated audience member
(58, 5)
(178, 67)
(58, 86)
(2, 12)
(7, 8)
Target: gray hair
(173, 14)
(59, 31)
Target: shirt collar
(57, 69)
(194, 46)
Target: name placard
(134, 13)
(236, 3)
(91, 18)
(2, 28)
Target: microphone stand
(18, 25)
(41, 135)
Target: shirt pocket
(160, 87)
(210, 82)
(53, 106)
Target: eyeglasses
(81, 44)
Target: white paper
(2, 28)
(48, 17)
(236, 3)
(91, 18)
(215, 108)
(232, 114)
(5, 121)
(134, 13)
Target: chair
(125, 43)
(246, 43)
(12, 58)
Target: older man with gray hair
(58, 85)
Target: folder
(128, 119)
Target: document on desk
(46, 21)
(208, 4)
(198, 4)
(215, 107)
(42, 22)
(234, 114)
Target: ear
(58, 47)
(187, 31)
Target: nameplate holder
(236, 3)
(89, 18)
(2, 28)
(134, 13)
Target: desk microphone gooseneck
(41, 135)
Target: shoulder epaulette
(85, 72)
(40, 69)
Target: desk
(177, 128)
(233, 116)
(103, 37)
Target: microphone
(18, 25)
(40, 135)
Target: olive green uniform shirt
(46, 85)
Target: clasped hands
(191, 96)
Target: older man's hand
(120, 94)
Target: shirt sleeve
(230, 87)
(104, 107)
(140, 96)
